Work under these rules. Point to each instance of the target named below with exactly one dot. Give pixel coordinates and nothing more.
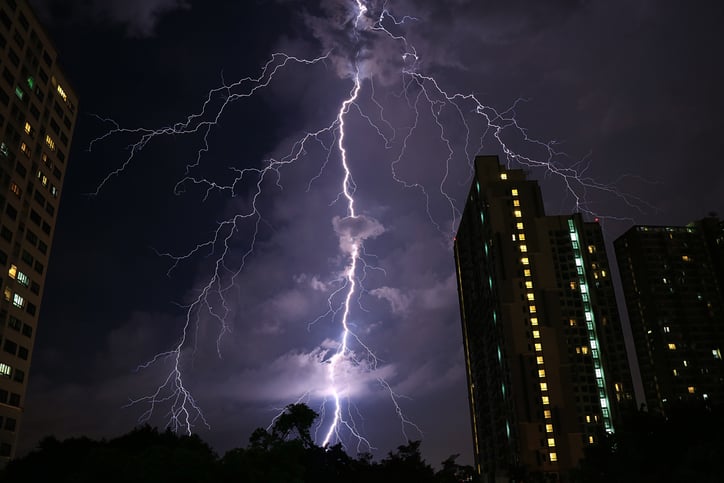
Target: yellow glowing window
(676, 372)
(538, 347)
(503, 175)
(672, 346)
(685, 258)
(516, 202)
(532, 309)
(536, 334)
(551, 442)
(584, 349)
(588, 418)
(691, 389)
(603, 273)
(541, 373)
(16, 189)
(521, 237)
(545, 400)
(617, 387)
(549, 428)
(543, 386)
(517, 213)
(590, 439)
(523, 248)
(539, 360)
(62, 93)
(28, 128)
(547, 413)
(526, 272)
(8, 294)
(686, 363)
(573, 285)
(514, 192)
(534, 321)
(528, 284)
(591, 249)
(530, 296)
(12, 271)
(49, 142)
(25, 149)
(525, 261)
(572, 322)
(554, 457)
(519, 225)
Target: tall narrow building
(37, 117)
(672, 283)
(546, 362)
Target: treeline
(284, 454)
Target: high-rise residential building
(37, 117)
(546, 361)
(672, 283)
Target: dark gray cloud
(138, 17)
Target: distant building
(546, 362)
(37, 117)
(672, 282)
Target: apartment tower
(546, 362)
(672, 282)
(37, 117)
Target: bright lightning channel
(450, 112)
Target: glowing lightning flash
(417, 90)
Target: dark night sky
(631, 88)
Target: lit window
(686, 258)
(547, 413)
(18, 301)
(691, 389)
(19, 92)
(44, 180)
(526, 272)
(49, 142)
(551, 442)
(9, 293)
(4, 149)
(521, 237)
(519, 225)
(573, 285)
(672, 346)
(528, 284)
(603, 273)
(538, 347)
(676, 373)
(5, 369)
(667, 329)
(503, 176)
(590, 440)
(523, 248)
(545, 400)
(572, 322)
(584, 349)
(539, 360)
(23, 279)
(554, 457)
(541, 373)
(62, 93)
(516, 202)
(536, 334)
(549, 428)
(16, 189)
(525, 261)
(514, 192)
(716, 353)
(28, 128)
(530, 296)
(12, 271)
(588, 418)
(534, 321)
(532, 309)
(543, 386)
(513, 237)
(686, 363)
(25, 149)
(517, 213)
(591, 249)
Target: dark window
(46, 228)
(43, 247)
(27, 330)
(35, 287)
(21, 170)
(3, 257)
(14, 323)
(3, 396)
(31, 237)
(19, 375)
(35, 217)
(11, 211)
(8, 76)
(23, 353)
(47, 58)
(19, 39)
(13, 400)
(6, 234)
(57, 173)
(10, 347)
(5, 19)
(23, 21)
(14, 59)
(27, 258)
(31, 307)
(39, 267)
(39, 198)
(5, 449)
(50, 209)
(43, 76)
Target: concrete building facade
(37, 117)
(546, 362)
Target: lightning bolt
(460, 119)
